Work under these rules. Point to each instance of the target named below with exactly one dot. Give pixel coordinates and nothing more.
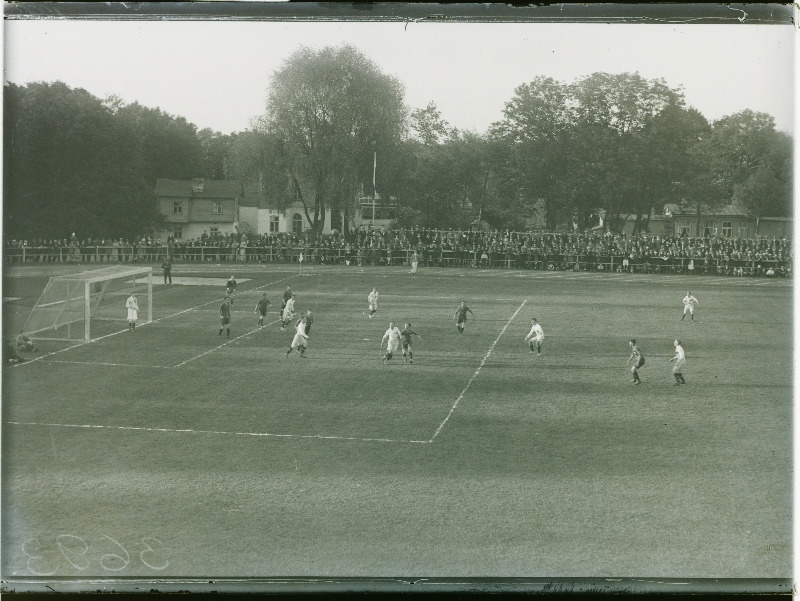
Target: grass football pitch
(174, 452)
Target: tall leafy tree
(332, 109)
(756, 163)
(538, 130)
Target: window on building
(709, 230)
(727, 228)
(216, 208)
(177, 233)
(683, 227)
(177, 207)
(366, 212)
(213, 231)
(274, 223)
(296, 194)
(297, 223)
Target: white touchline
(477, 371)
(191, 431)
(50, 354)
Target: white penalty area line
(221, 432)
(477, 371)
(74, 346)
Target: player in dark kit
(309, 320)
(638, 360)
(230, 288)
(261, 309)
(405, 342)
(461, 316)
(225, 316)
(287, 294)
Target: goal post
(89, 304)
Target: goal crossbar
(70, 299)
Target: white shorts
(678, 364)
(373, 306)
(298, 340)
(287, 315)
(133, 315)
(393, 347)
(689, 308)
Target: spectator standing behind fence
(166, 265)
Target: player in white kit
(689, 303)
(535, 336)
(372, 299)
(133, 311)
(680, 360)
(393, 345)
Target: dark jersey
(286, 296)
(225, 310)
(461, 313)
(231, 285)
(262, 305)
(405, 336)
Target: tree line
(563, 154)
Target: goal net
(90, 304)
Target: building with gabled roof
(729, 221)
(195, 207)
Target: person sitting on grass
(25, 344)
(11, 355)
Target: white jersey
(393, 334)
(680, 355)
(690, 301)
(372, 299)
(536, 333)
(288, 310)
(132, 305)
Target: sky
(216, 74)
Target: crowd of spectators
(591, 251)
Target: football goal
(90, 304)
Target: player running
(287, 294)
(372, 299)
(637, 358)
(225, 317)
(261, 309)
(133, 311)
(680, 360)
(535, 336)
(300, 337)
(689, 303)
(288, 313)
(461, 316)
(393, 345)
(309, 320)
(405, 342)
